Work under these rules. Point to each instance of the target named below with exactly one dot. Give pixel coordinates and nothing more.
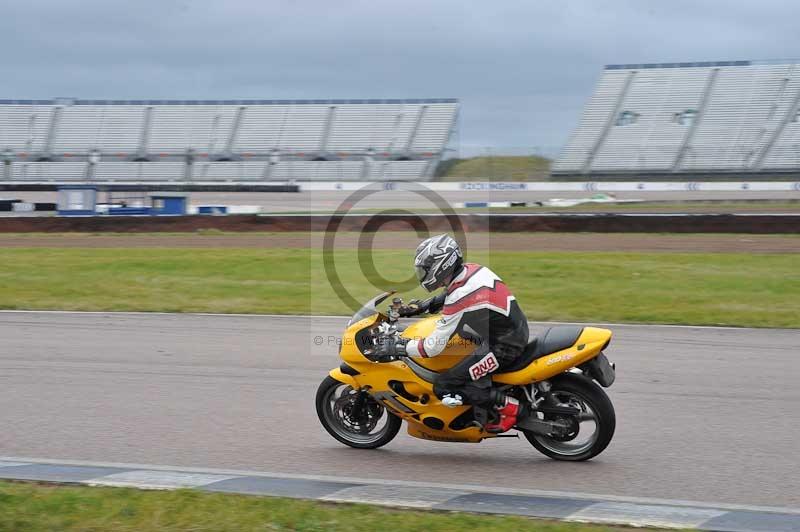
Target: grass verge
(45, 507)
(495, 168)
(695, 288)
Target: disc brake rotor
(364, 423)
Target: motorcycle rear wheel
(596, 406)
(363, 431)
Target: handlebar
(399, 310)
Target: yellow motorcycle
(565, 414)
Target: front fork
(358, 404)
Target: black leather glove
(413, 308)
(431, 305)
(389, 348)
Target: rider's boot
(507, 411)
(452, 400)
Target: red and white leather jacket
(478, 306)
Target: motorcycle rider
(476, 305)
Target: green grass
(760, 290)
(495, 168)
(37, 507)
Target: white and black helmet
(437, 260)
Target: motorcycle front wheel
(353, 417)
(590, 431)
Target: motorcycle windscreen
(370, 308)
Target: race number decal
(483, 367)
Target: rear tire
(595, 398)
(333, 417)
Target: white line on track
(342, 317)
(408, 483)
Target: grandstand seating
(688, 118)
(239, 140)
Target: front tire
(581, 392)
(372, 426)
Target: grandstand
(229, 140)
(688, 119)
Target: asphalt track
(704, 414)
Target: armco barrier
(502, 223)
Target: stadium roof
(72, 101)
(679, 65)
(702, 64)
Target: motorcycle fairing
(427, 412)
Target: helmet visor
(421, 273)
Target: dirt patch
(400, 240)
(484, 223)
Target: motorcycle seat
(550, 341)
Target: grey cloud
(522, 68)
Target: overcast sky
(521, 68)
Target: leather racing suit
(477, 306)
